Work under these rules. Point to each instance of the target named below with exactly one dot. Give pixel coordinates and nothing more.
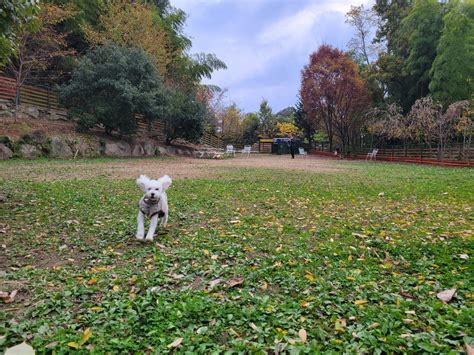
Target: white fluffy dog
(153, 204)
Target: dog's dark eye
(149, 188)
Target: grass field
(348, 258)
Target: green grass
(307, 245)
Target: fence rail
(212, 140)
(449, 153)
(31, 95)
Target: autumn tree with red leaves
(334, 95)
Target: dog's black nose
(152, 194)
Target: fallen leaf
(175, 343)
(340, 325)
(74, 345)
(20, 349)
(52, 344)
(86, 335)
(360, 302)
(8, 297)
(253, 326)
(374, 325)
(303, 335)
(235, 281)
(381, 194)
(92, 281)
(446, 295)
(214, 282)
(464, 256)
(360, 235)
(176, 276)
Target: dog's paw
(149, 239)
(140, 236)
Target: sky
(264, 43)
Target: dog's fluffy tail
(143, 181)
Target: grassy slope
(303, 268)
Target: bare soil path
(178, 168)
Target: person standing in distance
(292, 145)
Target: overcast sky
(265, 43)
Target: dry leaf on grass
(8, 297)
(303, 335)
(446, 295)
(175, 343)
(20, 349)
(214, 282)
(235, 281)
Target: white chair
(372, 155)
(247, 149)
(230, 150)
(302, 153)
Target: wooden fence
(449, 153)
(212, 140)
(152, 129)
(31, 95)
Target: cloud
(264, 42)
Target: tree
(333, 91)
(452, 73)
(155, 27)
(389, 69)
(231, 128)
(185, 117)
(39, 43)
(422, 27)
(250, 128)
(287, 129)
(363, 20)
(134, 24)
(111, 85)
(267, 122)
(390, 123)
(302, 121)
(14, 16)
(390, 15)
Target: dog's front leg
(140, 225)
(164, 220)
(151, 229)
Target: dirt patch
(178, 168)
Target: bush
(110, 86)
(185, 118)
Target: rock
(28, 151)
(117, 149)
(38, 136)
(53, 116)
(83, 149)
(162, 150)
(5, 152)
(32, 111)
(138, 150)
(60, 149)
(3, 107)
(149, 148)
(6, 113)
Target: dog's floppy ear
(143, 181)
(165, 182)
